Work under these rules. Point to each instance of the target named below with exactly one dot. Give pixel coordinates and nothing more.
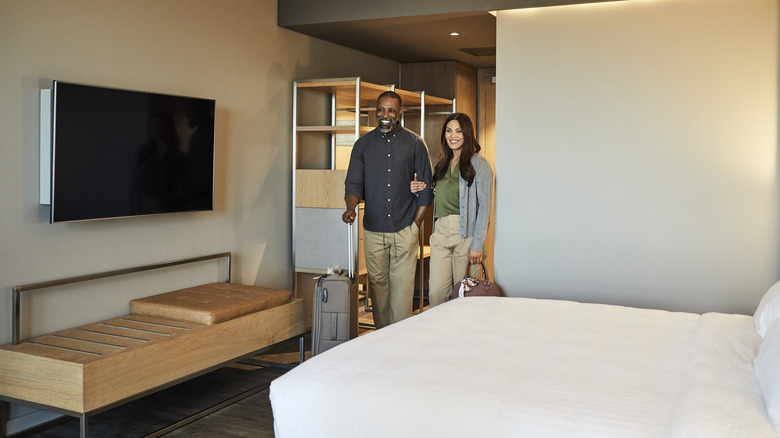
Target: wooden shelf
(414, 98)
(345, 90)
(431, 100)
(344, 86)
(335, 129)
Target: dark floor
(151, 415)
(250, 417)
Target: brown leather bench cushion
(210, 303)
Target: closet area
(328, 116)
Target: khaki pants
(391, 263)
(449, 257)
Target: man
(382, 164)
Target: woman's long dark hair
(469, 148)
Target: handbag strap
(484, 272)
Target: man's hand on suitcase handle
(350, 215)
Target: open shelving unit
(328, 117)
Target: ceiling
(416, 38)
(408, 30)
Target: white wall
(636, 158)
(228, 50)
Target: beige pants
(391, 263)
(449, 257)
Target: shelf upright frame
(294, 167)
(354, 229)
(332, 135)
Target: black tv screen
(119, 153)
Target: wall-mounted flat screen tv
(119, 153)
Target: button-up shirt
(380, 169)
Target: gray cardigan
(475, 203)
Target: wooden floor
(251, 417)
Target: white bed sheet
(517, 367)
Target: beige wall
(231, 51)
(228, 50)
(636, 153)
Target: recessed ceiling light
(454, 34)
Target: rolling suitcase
(331, 316)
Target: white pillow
(767, 365)
(768, 310)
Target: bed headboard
(19, 290)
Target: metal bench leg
(84, 422)
(5, 417)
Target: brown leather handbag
(469, 287)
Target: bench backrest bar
(18, 290)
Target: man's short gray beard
(384, 130)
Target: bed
(519, 367)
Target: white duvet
(516, 367)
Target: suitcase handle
(350, 247)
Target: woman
(463, 183)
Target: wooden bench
(166, 339)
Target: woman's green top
(447, 194)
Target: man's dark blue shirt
(380, 169)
